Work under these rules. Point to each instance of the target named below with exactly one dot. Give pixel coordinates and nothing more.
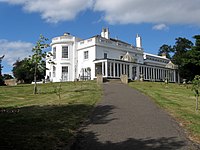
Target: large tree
(23, 70)
(192, 59)
(166, 50)
(181, 48)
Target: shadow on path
(88, 141)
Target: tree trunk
(35, 81)
(197, 102)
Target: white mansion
(77, 59)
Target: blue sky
(158, 22)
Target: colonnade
(114, 69)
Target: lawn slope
(44, 121)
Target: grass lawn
(44, 121)
(178, 100)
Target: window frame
(65, 53)
(86, 55)
(105, 55)
(54, 52)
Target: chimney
(138, 41)
(105, 33)
(164, 55)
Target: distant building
(77, 59)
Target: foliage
(186, 55)
(196, 88)
(1, 77)
(1, 80)
(7, 76)
(58, 90)
(166, 50)
(182, 45)
(181, 48)
(23, 71)
(191, 62)
(37, 58)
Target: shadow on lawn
(40, 127)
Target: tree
(1, 77)
(23, 70)
(191, 61)
(38, 57)
(181, 47)
(196, 88)
(7, 76)
(165, 49)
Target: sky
(158, 22)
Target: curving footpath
(127, 120)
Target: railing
(119, 44)
(62, 39)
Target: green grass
(178, 100)
(44, 121)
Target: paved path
(127, 120)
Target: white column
(138, 72)
(117, 69)
(146, 72)
(124, 68)
(111, 72)
(179, 78)
(120, 70)
(106, 68)
(114, 69)
(103, 69)
(127, 70)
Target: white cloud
(14, 50)
(117, 11)
(150, 11)
(160, 27)
(54, 10)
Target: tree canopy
(186, 55)
(166, 50)
(23, 70)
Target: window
(54, 53)
(105, 55)
(64, 73)
(65, 52)
(54, 71)
(65, 69)
(86, 55)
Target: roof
(153, 55)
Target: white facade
(77, 59)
